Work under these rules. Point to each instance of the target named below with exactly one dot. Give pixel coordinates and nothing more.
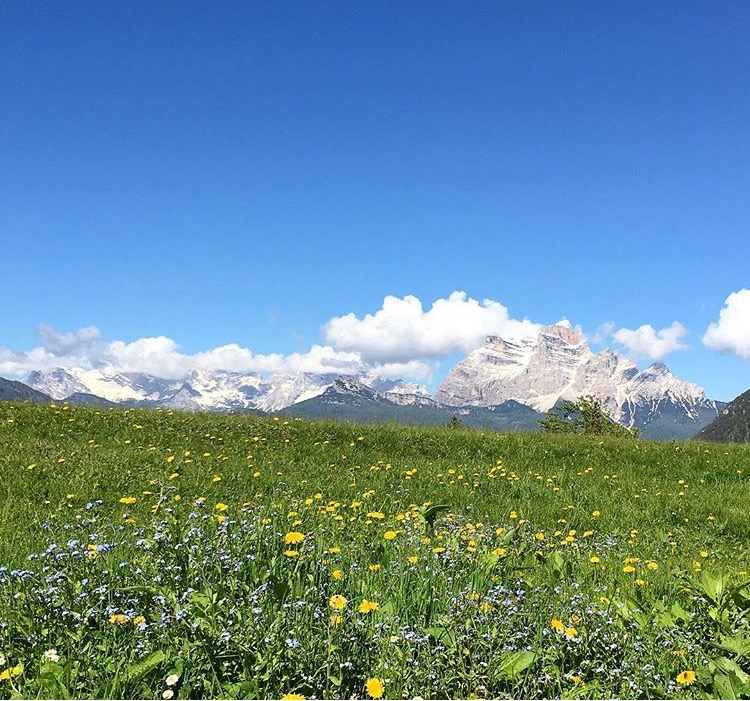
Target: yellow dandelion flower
(570, 633)
(557, 625)
(336, 619)
(291, 553)
(127, 500)
(390, 535)
(375, 688)
(595, 559)
(628, 569)
(652, 565)
(292, 697)
(337, 602)
(413, 559)
(118, 619)
(686, 677)
(596, 513)
(375, 514)
(216, 478)
(294, 537)
(374, 567)
(539, 535)
(368, 606)
(499, 552)
(337, 574)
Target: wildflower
(51, 655)
(216, 478)
(595, 559)
(368, 606)
(390, 535)
(640, 582)
(596, 513)
(686, 677)
(628, 569)
(539, 535)
(704, 553)
(171, 680)
(337, 602)
(9, 673)
(292, 697)
(294, 537)
(652, 565)
(375, 687)
(139, 620)
(337, 574)
(375, 567)
(291, 553)
(557, 625)
(413, 559)
(437, 550)
(570, 633)
(167, 694)
(221, 507)
(376, 514)
(127, 500)
(336, 619)
(499, 552)
(118, 619)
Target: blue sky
(243, 173)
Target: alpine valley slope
(558, 364)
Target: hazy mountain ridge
(203, 390)
(521, 375)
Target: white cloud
(161, 356)
(61, 344)
(731, 334)
(603, 332)
(645, 342)
(401, 330)
(400, 340)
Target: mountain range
(506, 384)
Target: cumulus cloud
(731, 333)
(81, 341)
(401, 330)
(161, 356)
(645, 342)
(400, 340)
(603, 332)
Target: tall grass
(210, 551)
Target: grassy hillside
(255, 557)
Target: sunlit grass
(159, 553)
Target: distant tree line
(586, 416)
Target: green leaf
(136, 671)
(513, 663)
(442, 635)
(430, 514)
(51, 678)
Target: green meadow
(156, 554)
